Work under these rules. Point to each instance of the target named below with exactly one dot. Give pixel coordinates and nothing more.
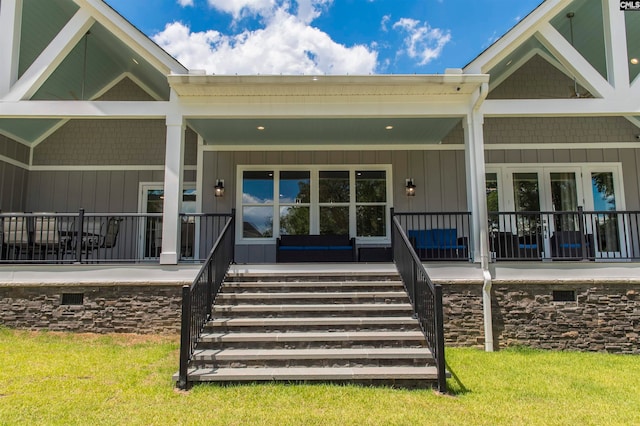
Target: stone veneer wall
(131, 308)
(605, 317)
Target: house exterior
(531, 151)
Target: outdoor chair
(46, 236)
(15, 236)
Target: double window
(329, 200)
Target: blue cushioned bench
(439, 244)
(315, 248)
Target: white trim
(314, 204)
(561, 107)
(566, 145)
(85, 109)
(199, 175)
(573, 61)
(131, 77)
(15, 138)
(506, 44)
(10, 33)
(52, 56)
(348, 147)
(81, 168)
(14, 162)
(615, 43)
(134, 38)
(43, 137)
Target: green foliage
(72, 379)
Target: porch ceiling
(323, 132)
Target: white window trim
(314, 205)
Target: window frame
(314, 205)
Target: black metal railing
(426, 297)
(198, 298)
(565, 235)
(83, 237)
(438, 236)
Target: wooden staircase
(299, 328)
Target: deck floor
(445, 273)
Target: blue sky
(295, 37)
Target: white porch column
(10, 29)
(615, 43)
(173, 177)
(476, 186)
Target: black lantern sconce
(219, 188)
(410, 188)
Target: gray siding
(630, 159)
(549, 130)
(13, 179)
(537, 79)
(95, 191)
(110, 142)
(126, 90)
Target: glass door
(604, 222)
(152, 201)
(528, 223)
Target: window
(328, 200)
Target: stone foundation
(104, 309)
(601, 317)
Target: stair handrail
(198, 297)
(425, 296)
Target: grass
(74, 379)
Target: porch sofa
(568, 245)
(441, 244)
(315, 248)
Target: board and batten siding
(108, 191)
(440, 178)
(13, 178)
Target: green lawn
(68, 379)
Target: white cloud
(185, 3)
(241, 8)
(287, 44)
(384, 22)
(422, 42)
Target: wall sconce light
(219, 188)
(410, 187)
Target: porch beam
(560, 107)
(52, 56)
(615, 43)
(84, 109)
(323, 108)
(10, 30)
(573, 61)
(173, 182)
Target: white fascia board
(51, 57)
(10, 30)
(524, 30)
(84, 109)
(133, 37)
(573, 61)
(615, 43)
(322, 109)
(635, 121)
(560, 107)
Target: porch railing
(83, 237)
(438, 236)
(565, 235)
(198, 298)
(426, 297)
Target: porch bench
(315, 248)
(441, 244)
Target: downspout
(484, 252)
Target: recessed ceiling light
(260, 127)
(634, 61)
(389, 127)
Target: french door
(559, 190)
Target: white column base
(168, 258)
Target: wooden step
(302, 374)
(314, 297)
(372, 309)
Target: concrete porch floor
(444, 273)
